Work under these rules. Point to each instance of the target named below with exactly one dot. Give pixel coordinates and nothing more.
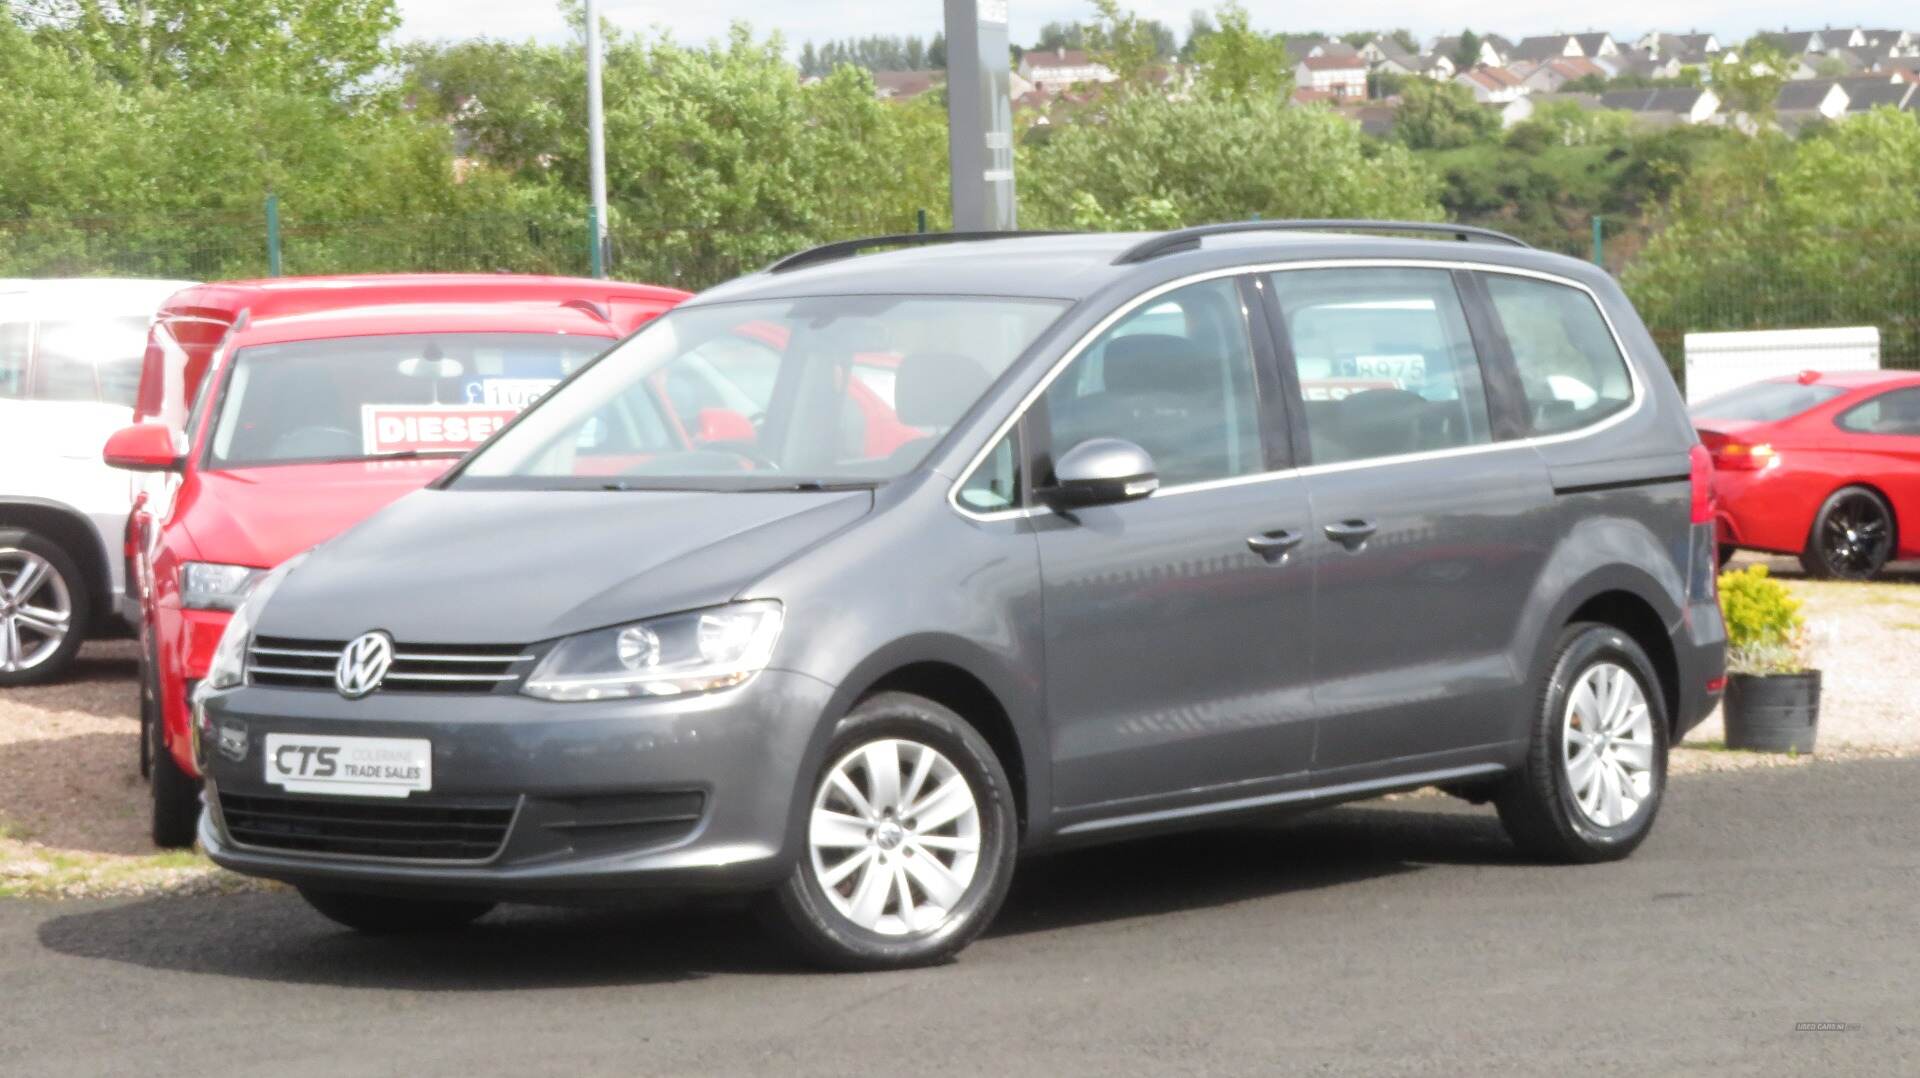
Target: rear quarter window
(1897, 412)
(1571, 369)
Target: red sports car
(1822, 465)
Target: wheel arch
(1872, 487)
(1630, 613)
(974, 684)
(76, 535)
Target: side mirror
(724, 425)
(147, 447)
(1101, 471)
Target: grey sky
(801, 20)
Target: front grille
(285, 662)
(417, 832)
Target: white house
(1342, 76)
(1492, 85)
(1055, 70)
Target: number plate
(349, 766)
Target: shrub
(1765, 633)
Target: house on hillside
(1867, 94)
(1593, 46)
(1341, 76)
(1667, 107)
(907, 85)
(1691, 48)
(1800, 42)
(1383, 53)
(1376, 118)
(1054, 71)
(1492, 85)
(1807, 100)
(1548, 76)
(1437, 66)
(1889, 42)
(1639, 64)
(1494, 50)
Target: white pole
(596, 140)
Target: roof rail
(1187, 239)
(829, 252)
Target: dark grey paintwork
(1139, 665)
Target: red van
(275, 414)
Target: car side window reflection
(1174, 377)
(1897, 412)
(995, 484)
(1386, 363)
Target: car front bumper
(608, 797)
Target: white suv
(70, 360)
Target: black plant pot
(1772, 712)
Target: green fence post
(920, 220)
(596, 252)
(273, 235)
(1599, 243)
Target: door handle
(1351, 534)
(1274, 545)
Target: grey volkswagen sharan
(847, 582)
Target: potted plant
(1773, 699)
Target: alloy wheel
(894, 837)
(1855, 535)
(1608, 745)
(36, 610)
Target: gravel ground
(1864, 639)
(73, 806)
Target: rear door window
(1386, 364)
(1571, 369)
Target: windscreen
(1765, 402)
(768, 395)
(411, 394)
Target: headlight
(698, 651)
(229, 665)
(207, 586)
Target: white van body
(70, 357)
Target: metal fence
(1880, 288)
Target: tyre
(175, 795)
(382, 915)
(911, 836)
(45, 608)
(1852, 536)
(1596, 764)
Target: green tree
(1442, 115)
(310, 46)
(1126, 44)
(1156, 161)
(1466, 54)
(1750, 85)
(1769, 232)
(1238, 61)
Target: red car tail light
(1743, 456)
(1700, 464)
